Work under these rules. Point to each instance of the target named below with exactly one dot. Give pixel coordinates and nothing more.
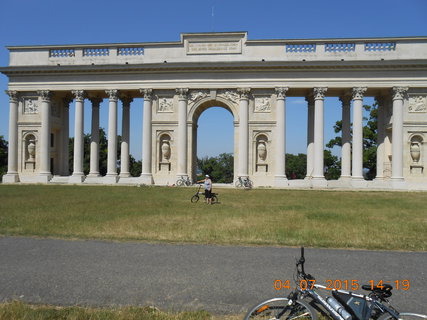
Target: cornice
(417, 65)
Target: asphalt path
(219, 279)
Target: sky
(45, 22)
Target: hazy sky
(36, 22)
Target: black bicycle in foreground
(305, 302)
(196, 196)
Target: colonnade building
(249, 78)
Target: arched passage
(195, 113)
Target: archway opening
(213, 145)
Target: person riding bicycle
(208, 188)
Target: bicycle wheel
(278, 308)
(214, 199)
(194, 198)
(403, 316)
(248, 184)
(179, 182)
(238, 184)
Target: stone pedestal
(110, 179)
(10, 178)
(76, 179)
(319, 182)
(280, 181)
(146, 178)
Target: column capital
(346, 99)
(147, 93)
(126, 101)
(113, 95)
(398, 93)
(67, 100)
(281, 92)
(96, 101)
(182, 93)
(380, 99)
(79, 95)
(13, 95)
(310, 99)
(244, 93)
(46, 95)
(319, 93)
(357, 93)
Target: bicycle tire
(249, 184)
(403, 316)
(272, 309)
(214, 199)
(179, 182)
(238, 184)
(195, 198)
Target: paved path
(220, 279)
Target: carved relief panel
(417, 104)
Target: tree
(370, 131)
(3, 156)
(220, 168)
(296, 166)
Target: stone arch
(203, 104)
(192, 118)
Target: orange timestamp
(338, 284)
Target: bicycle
(304, 302)
(183, 181)
(244, 182)
(196, 196)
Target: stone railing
(252, 50)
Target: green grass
(333, 219)
(21, 311)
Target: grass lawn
(18, 311)
(334, 219)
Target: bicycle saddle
(384, 290)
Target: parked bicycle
(305, 301)
(244, 182)
(196, 196)
(183, 181)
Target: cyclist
(208, 188)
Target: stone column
(124, 153)
(318, 179)
(182, 132)
(357, 157)
(44, 174)
(280, 176)
(398, 94)
(380, 137)
(111, 176)
(146, 175)
(78, 175)
(310, 136)
(243, 131)
(94, 138)
(346, 138)
(66, 135)
(12, 154)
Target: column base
(10, 178)
(110, 179)
(308, 178)
(146, 178)
(344, 178)
(124, 174)
(76, 179)
(319, 182)
(93, 175)
(281, 181)
(43, 178)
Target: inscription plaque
(214, 47)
